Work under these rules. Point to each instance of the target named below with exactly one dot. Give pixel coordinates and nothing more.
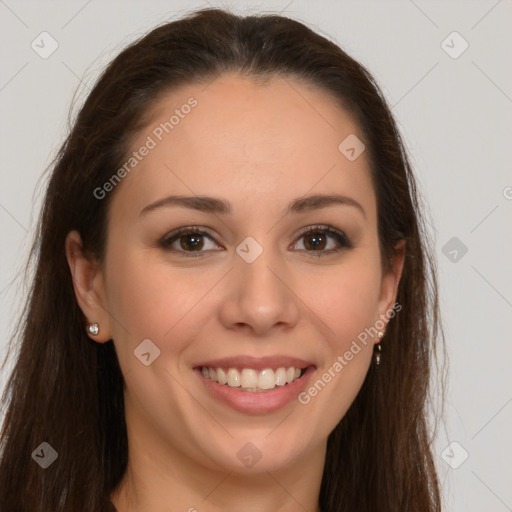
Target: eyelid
(325, 228)
(169, 237)
(340, 236)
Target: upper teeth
(252, 379)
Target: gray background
(455, 115)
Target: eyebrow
(220, 206)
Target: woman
(234, 303)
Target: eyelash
(339, 236)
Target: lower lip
(257, 403)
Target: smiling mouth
(251, 380)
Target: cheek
(347, 302)
(346, 299)
(148, 299)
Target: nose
(259, 297)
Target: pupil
(191, 241)
(318, 239)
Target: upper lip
(256, 363)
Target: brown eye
(193, 241)
(187, 241)
(317, 238)
(315, 241)
(318, 241)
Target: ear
(390, 281)
(88, 285)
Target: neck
(161, 479)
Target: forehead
(248, 142)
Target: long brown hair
(67, 390)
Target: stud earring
(93, 329)
(378, 349)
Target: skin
(258, 147)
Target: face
(259, 279)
